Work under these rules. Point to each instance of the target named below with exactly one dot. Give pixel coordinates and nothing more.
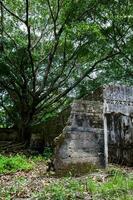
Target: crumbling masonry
(98, 131)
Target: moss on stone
(77, 169)
(59, 140)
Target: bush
(14, 163)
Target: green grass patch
(9, 164)
(14, 190)
(63, 189)
(117, 186)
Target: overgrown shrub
(14, 163)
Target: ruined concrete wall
(120, 137)
(82, 140)
(119, 111)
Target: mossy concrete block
(82, 141)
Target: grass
(117, 187)
(17, 188)
(65, 189)
(20, 162)
(10, 164)
(117, 184)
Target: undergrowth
(47, 153)
(19, 162)
(118, 186)
(15, 163)
(111, 184)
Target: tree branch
(29, 44)
(12, 13)
(83, 76)
(2, 28)
(52, 54)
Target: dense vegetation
(53, 50)
(13, 164)
(26, 177)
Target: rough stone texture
(82, 139)
(118, 99)
(118, 108)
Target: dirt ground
(24, 185)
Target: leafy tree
(49, 47)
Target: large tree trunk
(24, 128)
(35, 142)
(25, 133)
(27, 111)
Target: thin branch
(58, 97)
(58, 10)
(8, 35)
(53, 18)
(52, 54)
(65, 62)
(87, 11)
(38, 40)
(53, 89)
(2, 28)
(84, 75)
(12, 13)
(1, 20)
(29, 44)
(53, 109)
(10, 90)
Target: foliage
(17, 187)
(61, 190)
(48, 153)
(112, 184)
(9, 164)
(118, 186)
(53, 50)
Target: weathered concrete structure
(82, 141)
(118, 120)
(96, 130)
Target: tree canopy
(50, 49)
